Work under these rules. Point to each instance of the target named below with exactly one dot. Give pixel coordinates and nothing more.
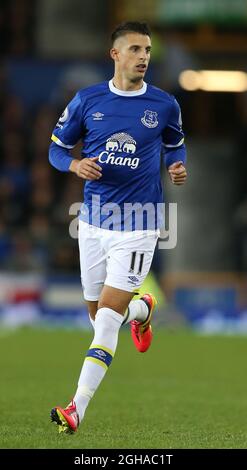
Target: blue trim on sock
(101, 355)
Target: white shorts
(117, 259)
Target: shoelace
(71, 408)
(138, 329)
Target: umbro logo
(133, 279)
(100, 353)
(97, 116)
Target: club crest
(150, 119)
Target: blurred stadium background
(49, 49)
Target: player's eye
(134, 48)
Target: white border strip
(58, 142)
(174, 146)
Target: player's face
(131, 53)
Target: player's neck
(126, 85)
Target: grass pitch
(187, 391)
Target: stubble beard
(137, 79)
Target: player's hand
(178, 173)
(86, 168)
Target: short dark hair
(130, 27)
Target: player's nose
(143, 55)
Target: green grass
(187, 391)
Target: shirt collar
(115, 90)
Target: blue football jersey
(126, 130)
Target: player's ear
(114, 54)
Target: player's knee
(92, 309)
(111, 305)
(106, 320)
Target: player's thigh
(129, 260)
(116, 299)
(92, 261)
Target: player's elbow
(59, 157)
(56, 156)
(52, 154)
